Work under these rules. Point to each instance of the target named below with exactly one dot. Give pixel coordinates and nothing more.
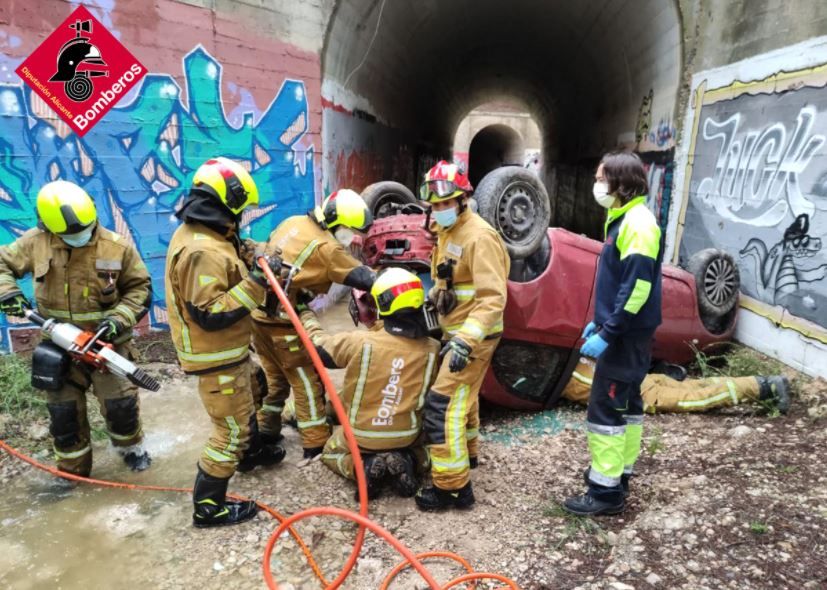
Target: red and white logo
(81, 71)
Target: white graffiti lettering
(756, 178)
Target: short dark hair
(625, 175)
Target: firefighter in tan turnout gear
(389, 370)
(315, 246)
(470, 267)
(675, 393)
(92, 277)
(210, 295)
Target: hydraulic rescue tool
(82, 346)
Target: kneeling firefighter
(210, 294)
(470, 267)
(315, 246)
(94, 278)
(388, 372)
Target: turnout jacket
(628, 284)
(321, 260)
(386, 379)
(479, 267)
(106, 277)
(209, 298)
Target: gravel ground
(732, 499)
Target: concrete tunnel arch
(491, 147)
(395, 88)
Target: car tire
(717, 283)
(515, 202)
(379, 195)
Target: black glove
(15, 305)
(460, 354)
(113, 328)
(274, 262)
(303, 299)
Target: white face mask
(80, 239)
(602, 196)
(344, 235)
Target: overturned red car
(550, 292)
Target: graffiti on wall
(138, 162)
(660, 168)
(650, 137)
(756, 183)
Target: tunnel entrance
(399, 77)
(493, 146)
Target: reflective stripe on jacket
(106, 277)
(480, 274)
(386, 380)
(209, 299)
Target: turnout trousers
(69, 424)
(452, 418)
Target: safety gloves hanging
(460, 354)
(112, 329)
(15, 305)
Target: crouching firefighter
(626, 313)
(470, 267)
(388, 372)
(210, 294)
(315, 247)
(91, 277)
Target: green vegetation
(654, 443)
(17, 398)
(759, 528)
(573, 524)
(738, 361)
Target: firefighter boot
(136, 457)
(212, 509)
(434, 498)
(264, 450)
(775, 389)
(401, 467)
(376, 469)
(312, 452)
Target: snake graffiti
(138, 162)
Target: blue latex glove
(594, 346)
(590, 329)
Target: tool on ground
(88, 348)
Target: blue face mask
(80, 239)
(446, 217)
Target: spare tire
(515, 202)
(717, 283)
(381, 197)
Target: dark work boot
(474, 462)
(776, 389)
(589, 505)
(401, 467)
(376, 469)
(624, 480)
(434, 498)
(136, 457)
(212, 509)
(265, 455)
(312, 452)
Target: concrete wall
(227, 78)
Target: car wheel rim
(383, 206)
(719, 281)
(516, 212)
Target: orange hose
(285, 523)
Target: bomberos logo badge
(81, 71)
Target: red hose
(285, 523)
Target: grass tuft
(17, 398)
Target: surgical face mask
(80, 239)
(601, 194)
(344, 235)
(445, 217)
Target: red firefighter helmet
(444, 181)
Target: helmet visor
(438, 189)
